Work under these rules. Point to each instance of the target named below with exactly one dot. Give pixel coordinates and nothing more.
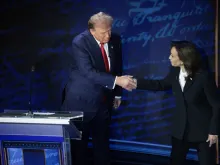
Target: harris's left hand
(117, 103)
(212, 139)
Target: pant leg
(206, 154)
(100, 138)
(179, 151)
(82, 149)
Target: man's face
(102, 31)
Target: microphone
(30, 90)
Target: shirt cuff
(114, 83)
(118, 97)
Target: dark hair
(189, 55)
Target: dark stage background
(40, 32)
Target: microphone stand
(30, 112)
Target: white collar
(99, 43)
(183, 73)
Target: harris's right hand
(126, 82)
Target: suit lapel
(96, 52)
(188, 84)
(179, 90)
(111, 55)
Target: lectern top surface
(58, 117)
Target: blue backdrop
(39, 32)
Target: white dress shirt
(182, 78)
(106, 51)
(109, 63)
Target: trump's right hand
(126, 82)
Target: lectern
(38, 138)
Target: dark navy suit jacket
(90, 87)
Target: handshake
(127, 82)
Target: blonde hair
(99, 18)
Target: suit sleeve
(212, 95)
(156, 85)
(85, 67)
(118, 89)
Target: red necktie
(105, 58)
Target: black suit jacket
(197, 108)
(90, 87)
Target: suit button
(106, 86)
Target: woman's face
(174, 58)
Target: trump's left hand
(212, 139)
(117, 103)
